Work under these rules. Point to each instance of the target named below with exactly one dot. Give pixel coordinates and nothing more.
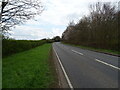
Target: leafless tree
(14, 12)
(99, 29)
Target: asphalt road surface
(88, 69)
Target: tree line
(11, 46)
(100, 29)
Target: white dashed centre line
(77, 52)
(99, 61)
(107, 64)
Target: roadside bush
(10, 47)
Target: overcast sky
(54, 19)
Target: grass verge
(111, 52)
(52, 63)
(28, 69)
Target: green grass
(96, 49)
(28, 69)
(0, 73)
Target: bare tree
(14, 12)
(98, 30)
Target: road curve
(88, 69)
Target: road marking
(107, 64)
(68, 80)
(77, 52)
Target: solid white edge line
(68, 80)
(108, 64)
(77, 52)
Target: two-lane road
(88, 69)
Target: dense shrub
(56, 39)
(10, 47)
